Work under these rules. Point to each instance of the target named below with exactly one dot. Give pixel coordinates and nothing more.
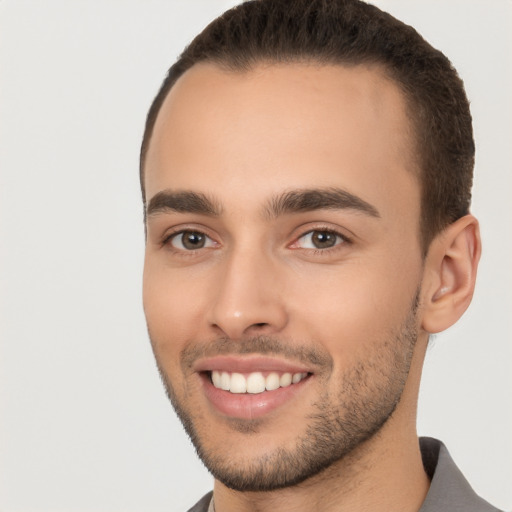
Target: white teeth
(285, 380)
(225, 381)
(297, 377)
(238, 383)
(272, 382)
(217, 379)
(254, 382)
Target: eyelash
(323, 229)
(166, 241)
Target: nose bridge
(248, 297)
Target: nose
(248, 297)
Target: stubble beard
(368, 395)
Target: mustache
(258, 345)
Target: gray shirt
(449, 490)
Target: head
(306, 171)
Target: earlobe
(450, 274)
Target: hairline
(229, 66)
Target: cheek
(356, 308)
(172, 308)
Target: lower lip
(248, 405)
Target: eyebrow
(182, 202)
(293, 201)
(306, 200)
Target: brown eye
(323, 239)
(190, 240)
(320, 239)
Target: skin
(242, 139)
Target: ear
(450, 273)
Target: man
(306, 172)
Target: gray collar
(449, 490)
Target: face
(283, 264)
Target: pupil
(193, 240)
(323, 239)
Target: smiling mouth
(254, 382)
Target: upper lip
(248, 364)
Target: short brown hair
(351, 32)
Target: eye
(319, 239)
(190, 240)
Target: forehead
(287, 125)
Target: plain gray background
(84, 423)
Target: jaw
(387, 461)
